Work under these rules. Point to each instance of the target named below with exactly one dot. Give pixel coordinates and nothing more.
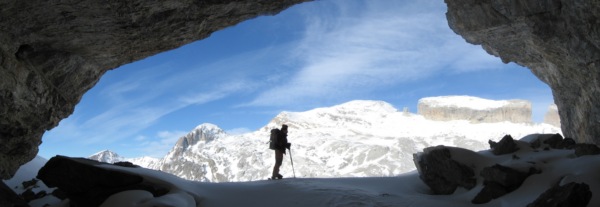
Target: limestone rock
(441, 173)
(552, 116)
(475, 110)
(558, 40)
(53, 52)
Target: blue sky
(312, 55)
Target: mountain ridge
(358, 138)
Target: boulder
(506, 145)
(554, 141)
(586, 149)
(441, 173)
(499, 180)
(86, 184)
(567, 143)
(570, 194)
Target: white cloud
(377, 46)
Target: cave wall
(558, 40)
(53, 51)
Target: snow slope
(557, 166)
(27, 172)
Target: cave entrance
(311, 55)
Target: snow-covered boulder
(85, 183)
(541, 163)
(441, 173)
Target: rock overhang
(558, 40)
(52, 52)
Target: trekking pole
(292, 160)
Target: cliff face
(558, 40)
(551, 116)
(475, 110)
(51, 52)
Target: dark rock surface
(567, 143)
(86, 184)
(554, 141)
(586, 149)
(505, 146)
(9, 198)
(499, 180)
(53, 52)
(558, 40)
(441, 173)
(571, 194)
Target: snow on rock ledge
(474, 109)
(545, 165)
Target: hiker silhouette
(279, 143)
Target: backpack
(273, 142)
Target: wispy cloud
(360, 50)
(138, 101)
(344, 50)
(159, 146)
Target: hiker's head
(284, 128)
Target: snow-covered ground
(557, 166)
(27, 172)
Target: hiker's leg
(278, 161)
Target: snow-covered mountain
(358, 138)
(107, 156)
(561, 170)
(112, 157)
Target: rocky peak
(205, 132)
(107, 156)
